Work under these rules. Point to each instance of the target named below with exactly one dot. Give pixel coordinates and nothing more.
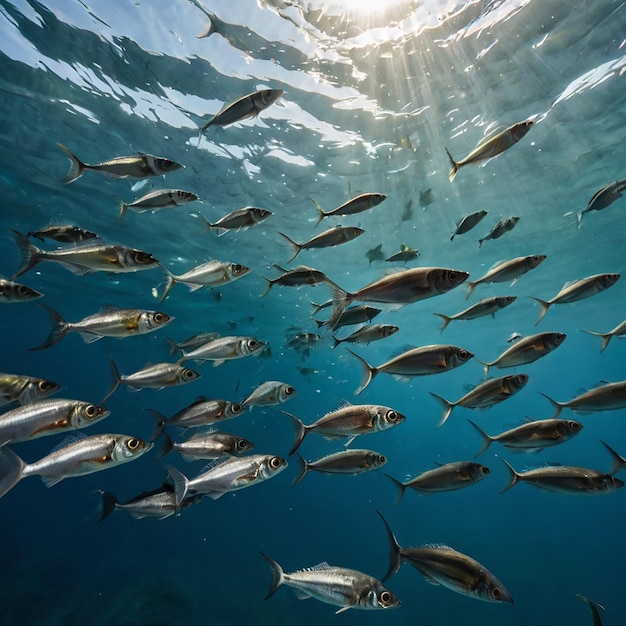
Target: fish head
(272, 465)
(519, 130)
(232, 409)
(285, 392)
(16, 291)
(265, 97)
(605, 483)
(388, 329)
(127, 448)
(377, 596)
(444, 280)
(236, 270)
(569, 428)
(515, 382)
(241, 446)
(555, 339)
(609, 280)
(138, 258)
(460, 356)
(478, 471)
(503, 301)
(43, 387)
(354, 231)
(492, 590)
(534, 260)
(186, 375)
(377, 198)
(85, 414)
(260, 214)
(249, 346)
(376, 460)
(152, 320)
(387, 418)
(164, 166)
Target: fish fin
(277, 575)
(514, 477)
(400, 485)
(11, 470)
(470, 288)
(297, 247)
(429, 579)
(117, 379)
(455, 166)
(486, 438)
(194, 287)
(301, 431)
(341, 300)
(123, 209)
(108, 502)
(75, 268)
(216, 363)
(51, 481)
(336, 341)
(486, 366)
(160, 424)
(618, 461)
(302, 595)
(558, 406)
(342, 609)
(77, 167)
(303, 468)
(320, 212)
(395, 551)
(29, 253)
(59, 329)
(181, 484)
(368, 372)
(90, 337)
(606, 337)
(446, 320)
(171, 281)
(208, 224)
(345, 445)
(165, 444)
(590, 603)
(449, 407)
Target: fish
(426, 197)
(48, 417)
(192, 342)
(137, 166)
(604, 397)
(349, 420)
(12, 292)
(603, 198)
(618, 331)
(491, 147)
(375, 254)
(411, 361)
(367, 334)
(157, 376)
(442, 565)
(241, 219)
(405, 254)
(211, 444)
(109, 322)
(25, 389)
(269, 393)
(328, 239)
(296, 277)
(224, 349)
(63, 233)
(161, 199)
(484, 395)
(594, 607)
(526, 350)
(467, 223)
(202, 411)
(565, 479)
(577, 290)
(351, 462)
(444, 477)
(488, 306)
(359, 314)
(505, 271)
(75, 457)
(302, 342)
(338, 586)
(84, 258)
(245, 107)
(532, 436)
(231, 475)
(358, 204)
(502, 227)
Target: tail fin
(173, 346)
(400, 485)
(368, 372)
(59, 329)
(165, 446)
(341, 300)
(11, 470)
(77, 167)
(486, 366)
(544, 308)
(181, 484)
(301, 432)
(558, 406)
(29, 253)
(303, 468)
(107, 505)
(297, 247)
(210, 29)
(117, 379)
(320, 212)
(446, 321)
(208, 225)
(606, 337)
(514, 477)
(123, 209)
(618, 461)
(486, 438)
(395, 551)
(470, 288)
(171, 281)
(336, 341)
(270, 284)
(159, 425)
(447, 405)
(277, 575)
(579, 217)
(455, 166)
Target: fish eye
(276, 462)
(289, 391)
(237, 269)
(574, 426)
(391, 416)
(385, 597)
(189, 375)
(45, 385)
(22, 290)
(159, 318)
(241, 444)
(236, 408)
(452, 275)
(496, 593)
(142, 257)
(382, 459)
(133, 443)
(464, 354)
(253, 344)
(91, 411)
(484, 470)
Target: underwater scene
(312, 312)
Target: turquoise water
(370, 100)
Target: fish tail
(210, 29)
(296, 246)
(301, 432)
(618, 461)
(606, 337)
(590, 603)
(181, 484)
(270, 284)
(173, 346)
(163, 444)
(207, 224)
(480, 243)
(486, 438)
(29, 253)
(470, 289)
(514, 477)
(277, 575)
(11, 470)
(303, 468)
(395, 551)
(117, 379)
(446, 404)
(77, 167)
(446, 321)
(123, 209)
(159, 425)
(368, 372)
(486, 366)
(558, 406)
(341, 299)
(455, 166)
(59, 329)
(400, 485)
(579, 217)
(320, 212)
(171, 281)
(544, 308)
(108, 503)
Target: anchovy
(526, 350)
(603, 198)
(77, 458)
(328, 239)
(594, 607)
(161, 199)
(467, 223)
(421, 361)
(24, 389)
(532, 436)
(296, 277)
(502, 227)
(339, 586)
(201, 412)
(484, 395)
(618, 331)
(241, 219)
(358, 204)
(65, 233)
(367, 334)
(505, 271)
(578, 290)
(137, 166)
(488, 306)
(350, 462)
(224, 349)
(605, 397)
(491, 147)
(211, 444)
(405, 254)
(11, 292)
(442, 565)
(268, 393)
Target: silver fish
(488, 306)
(360, 203)
(421, 361)
(406, 254)
(467, 223)
(302, 342)
(225, 349)
(84, 258)
(502, 227)
(328, 239)
(484, 395)
(367, 334)
(82, 456)
(532, 436)
(201, 412)
(606, 397)
(603, 198)
(491, 147)
(241, 219)
(526, 350)
(442, 565)
(350, 462)
(618, 331)
(594, 607)
(63, 233)
(375, 254)
(270, 392)
(211, 444)
(578, 290)
(191, 342)
(339, 586)
(136, 166)
(296, 277)
(505, 271)
(110, 322)
(353, 315)
(155, 200)
(11, 292)
(24, 389)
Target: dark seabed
(372, 97)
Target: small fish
(367, 334)
(296, 277)
(488, 306)
(65, 233)
(351, 462)
(526, 350)
(565, 479)
(467, 223)
(411, 361)
(302, 342)
(191, 342)
(606, 397)
(426, 197)
(618, 331)
(328, 239)
(109, 322)
(339, 586)
(446, 477)
(24, 389)
(161, 199)
(442, 565)
(210, 445)
(405, 254)
(407, 214)
(505, 271)
(136, 166)
(594, 607)
(11, 292)
(225, 349)
(360, 203)
(247, 106)
(502, 227)
(578, 290)
(485, 394)
(603, 198)
(350, 420)
(202, 411)
(359, 314)
(82, 456)
(532, 436)
(491, 147)
(375, 254)
(269, 393)
(241, 219)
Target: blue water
(370, 101)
